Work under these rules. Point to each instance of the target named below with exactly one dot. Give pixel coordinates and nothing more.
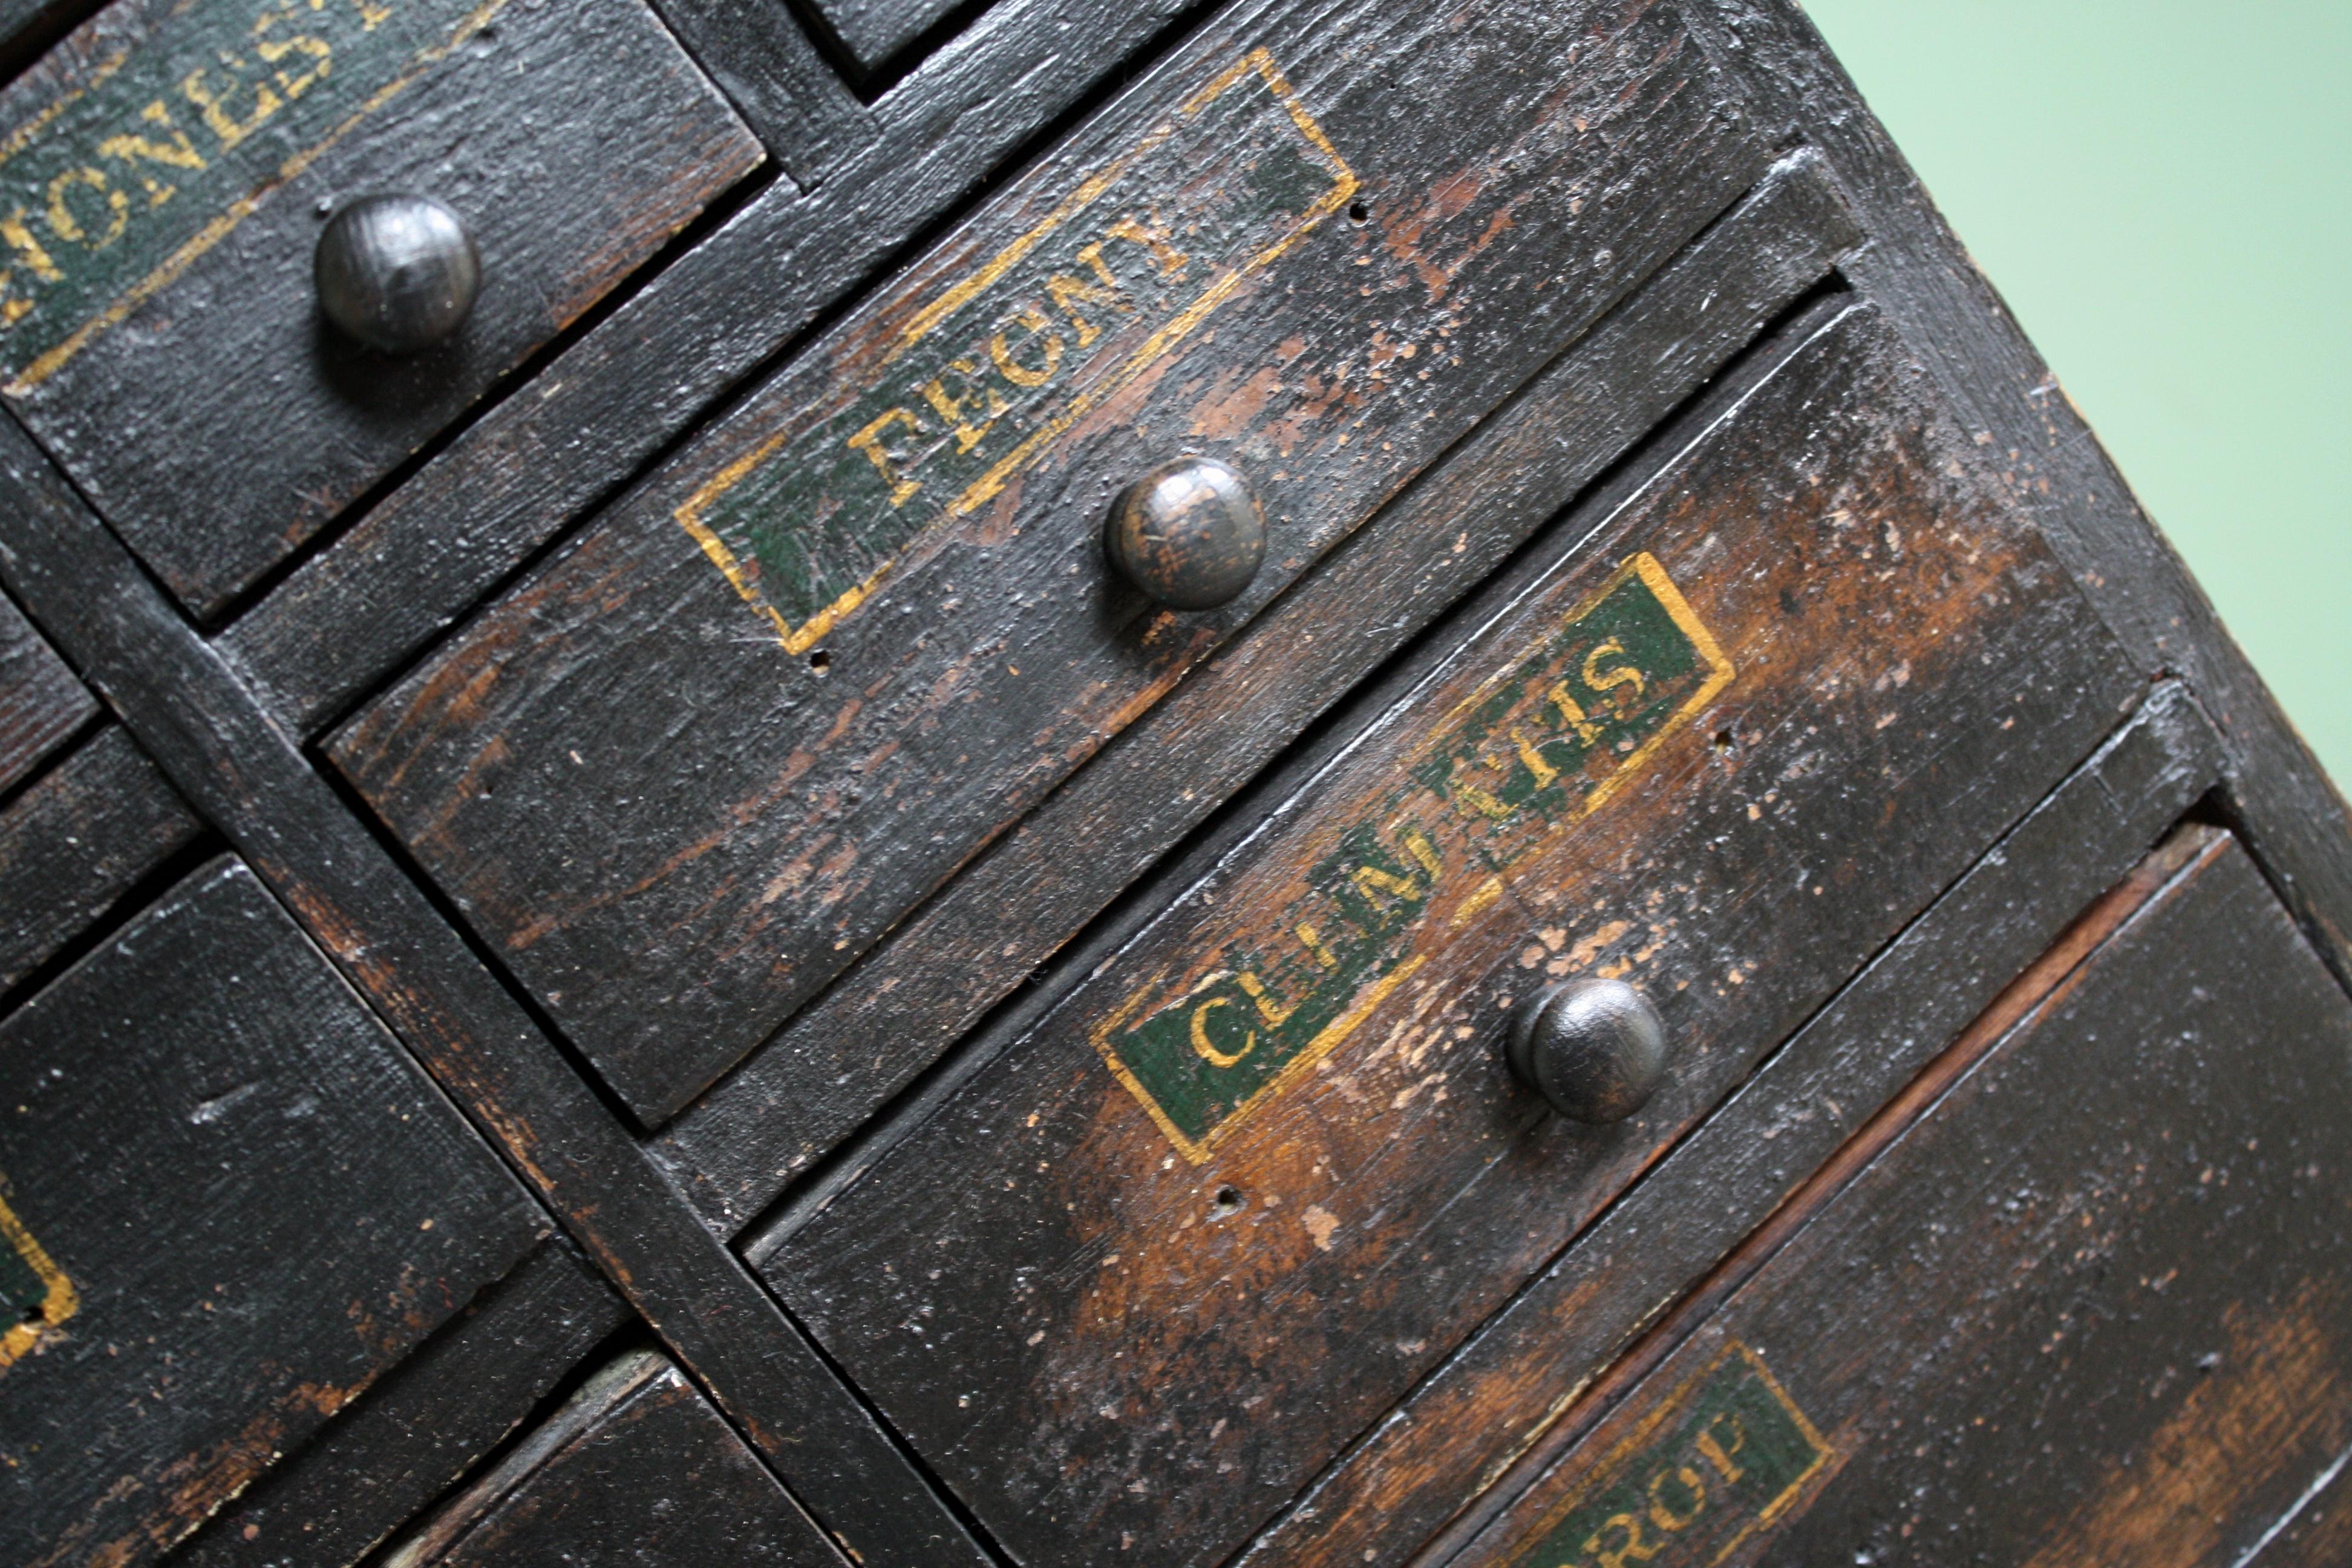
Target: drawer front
(227, 1202)
(691, 769)
(165, 181)
(1249, 1181)
(41, 703)
(636, 1467)
(2092, 1307)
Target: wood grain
(170, 351)
(414, 1435)
(301, 1210)
(77, 840)
(1121, 1318)
(41, 703)
(1498, 1407)
(637, 1466)
(874, 31)
(675, 824)
(2090, 1308)
(986, 932)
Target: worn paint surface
(1728, 1452)
(2079, 1295)
(150, 151)
(740, 823)
(1083, 1329)
(1542, 743)
(990, 369)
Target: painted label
(163, 145)
(1726, 1455)
(1542, 743)
(981, 379)
(35, 1294)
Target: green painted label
(1542, 743)
(1726, 1455)
(981, 379)
(153, 151)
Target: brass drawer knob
(1594, 1048)
(1189, 533)
(398, 273)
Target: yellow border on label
(1634, 1443)
(61, 1301)
(1720, 674)
(800, 638)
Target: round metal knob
(1594, 1048)
(1189, 533)
(398, 273)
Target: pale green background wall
(2159, 190)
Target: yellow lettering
(16, 306)
(1019, 375)
(1601, 679)
(216, 112)
(1200, 1043)
(275, 49)
(1417, 844)
(1273, 1011)
(1068, 293)
(1572, 714)
(1544, 771)
(178, 152)
(1635, 1550)
(370, 16)
(1718, 1454)
(1666, 1518)
(1154, 240)
(67, 227)
(950, 407)
(1371, 881)
(1470, 798)
(869, 441)
(1313, 941)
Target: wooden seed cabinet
(622, 940)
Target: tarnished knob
(398, 273)
(1189, 533)
(1594, 1048)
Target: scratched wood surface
(77, 842)
(987, 933)
(158, 328)
(41, 703)
(1445, 1459)
(230, 1203)
(860, 627)
(2090, 1308)
(873, 31)
(1235, 1170)
(636, 1467)
(416, 1432)
(2319, 1535)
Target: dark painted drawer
(2092, 1307)
(1259, 1172)
(41, 702)
(230, 1202)
(169, 170)
(637, 1467)
(704, 758)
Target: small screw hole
(821, 661)
(1227, 1201)
(1725, 740)
(1358, 212)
